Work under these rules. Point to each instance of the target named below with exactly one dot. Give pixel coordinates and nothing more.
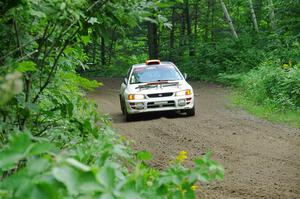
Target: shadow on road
(119, 118)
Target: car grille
(159, 95)
(161, 104)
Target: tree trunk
(228, 19)
(196, 23)
(212, 33)
(110, 51)
(189, 28)
(102, 46)
(94, 48)
(207, 20)
(182, 35)
(152, 41)
(172, 34)
(272, 14)
(258, 5)
(253, 16)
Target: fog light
(181, 102)
(139, 105)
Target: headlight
(135, 97)
(185, 92)
(180, 93)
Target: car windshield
(154, 74)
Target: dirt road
(261, 159)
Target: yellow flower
(285, 65)
(194, 187)
(181, 156)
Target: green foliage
(272, 90)
(267, 110)
(53, 142)
(274, 84)
(43, 171)
(26, 66)
(208, 51)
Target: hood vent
(158, 85)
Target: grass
(268, 112)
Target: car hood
(158, 87)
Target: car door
(125, 83)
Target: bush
(275, 84)
(225, 57)
(94, 168)
(73, 152)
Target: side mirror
(125, 80)
(184, 75)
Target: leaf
(107, 196)
(131, 195)
(106, 176)
(168, 25)
(85, 39)
(93, 20)
(15, 151)
(41, 147)
(78, 165)
(132, 22)
(26, 66)
(68, 177)
(144, 155)
(37, 165)
(121, 150)
(150, 20)
(165, 4)
(88, 183)
(32, 107)
(45, 190)
(63, 5)
(37, 13)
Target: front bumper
(160, 104)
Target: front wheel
(122, 105)
(128, 117)
(191, 112)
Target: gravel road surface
(261, 159)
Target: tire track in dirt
(261, 159)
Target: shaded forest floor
(261, 159)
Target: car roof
(163, 63)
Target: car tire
(128, 117)
(122, 105)
(191, 112)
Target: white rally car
(155, 86)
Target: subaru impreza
(155, 86)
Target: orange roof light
(152, 61)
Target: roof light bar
(152, 61)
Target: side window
(128, 73)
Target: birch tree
(272, 14)
(172, 34)
(228, 19)
(253, 16)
